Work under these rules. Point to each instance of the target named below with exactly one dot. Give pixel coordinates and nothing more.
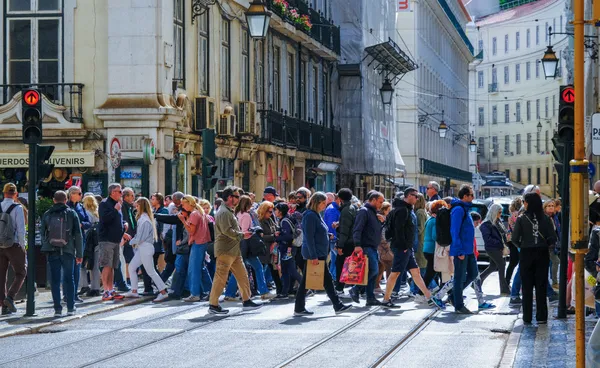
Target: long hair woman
(242, 212)
(287, 252)
(513, 262)
(550, 210)
(315, 248)
(494, 238)
(430, 239)
(197, 227)
(533, 233)
(384, 251)
(143, 241)
(90, 205)
(266, 220)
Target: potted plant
(305, 23)
(281, 6)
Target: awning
(436, 169)
(328, 166)
(390, 59)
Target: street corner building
(130, 89)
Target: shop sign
(115, 153)
(149, 150)
(58, 159)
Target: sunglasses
(118, 191)
(235, 196)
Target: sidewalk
(18, 324)
(551, 345)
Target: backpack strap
(10, 208)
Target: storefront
(321, 175)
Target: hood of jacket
(57, 207)
(398, 202)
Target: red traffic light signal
(31, 97)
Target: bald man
(597, 187)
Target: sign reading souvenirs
(58, 159)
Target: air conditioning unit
(227, 125)
(205, 114)
(247, 123)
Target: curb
(510, 350)
(58, 321)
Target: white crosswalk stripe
(138, 313)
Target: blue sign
(591, 170)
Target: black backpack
(58, 230)
(442, 226)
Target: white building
(513, 107)
(434, 32)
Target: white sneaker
(421, 299)
(161, 298)
(131, 294)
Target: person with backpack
(287, 252)
(12, 248)
(430, 240)
(331, 216)
(62, 240)
(345, 243)
(75, 195)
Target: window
(34, 43)
(517, 40)
(553, 105)
(528, 38)
(547, 106)
(494, 76)
(507, 173)
(259, 52)
(554, 28)
(276, 78)
(546, 140)
(481, 116)
(315, 93)
(506, 113)
(480, 45)
(480, 79)
(518, 111)
(495, 146)
(559, 68)
(529, 143)
(506, 145)
(538, 138)
(529, 175)
(528, 70)
(179, 42)
(518, 144)
(546, 35)
(303, 81)
(481, 147)
(537, 35)
(494, 46)
(506, 44)
(225, 61)
(494, 114)
(291, 84)
(518, 72)
(528, 112)
(537, 108)
(547, 170)
(203, 53)
(537, 69)
(325, 97)
(245, 65)
(506, 75)
(560, 25)
(518, 175)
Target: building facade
(129, 86)
(513, 106)
(434, 32)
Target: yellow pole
(578, 179)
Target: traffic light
(31, 116)
(566, 109)
(209, 158)
(43, 155)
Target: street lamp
(443, 129)
(258, 19)
(387, 92)
(473, 145)
(539, 126)
(550, 63)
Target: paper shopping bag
(315, 275)
(356, 270)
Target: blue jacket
(331, 215)
(286, 235)
(315, 242)
(367, 228)
(491, 236)
(413, 217)
(111, 226)
(430, 236)
(84, 219)
(461, 228)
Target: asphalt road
(178, 334)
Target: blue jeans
(259, 273)
(465, 272)
(180, 278)
(289, 274)
(516, 286)
(268, 276)
(371, 253)
(66, 264)
(199, 279)
(333, 252)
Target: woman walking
(143, 241)
(90, 206)
(265, 218)
(550, 211)
(315, 248)
(384, 251)
(430, 239)
(493, 233)
(513, 262)
(532, 234)
(284, 238)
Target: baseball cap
(9, 188)
(271, 190)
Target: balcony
(68, 95)
(493, 88)
(287, 131)
(323, 30)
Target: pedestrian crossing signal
(31, 116)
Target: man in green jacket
(62, 240)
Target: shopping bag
(355, 270)
(442, 262)
(315, 275)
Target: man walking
(228, 236)
(12, 248)
(110, 232)
(367, 236)
(60, 230)
(128, 212)
(433, 188)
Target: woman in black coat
(265, 218)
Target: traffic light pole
(564, 232)
(33, 165)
